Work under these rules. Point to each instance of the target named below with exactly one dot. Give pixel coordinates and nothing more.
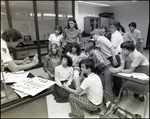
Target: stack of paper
(33, 86)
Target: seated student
(76, 55)
(52, 60)
(91, 85)
(63, 74)
(131, 57)
(11, 38)
(102, 66)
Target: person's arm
(119, 69)
(14, 67)
(18, 62)
(57, 77)
(75, 92)
(137, 42)
(80, 37)
(112, 49)
(70, 77)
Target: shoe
(75, 116)
(135, 95)
(142, 99)
(109, 109)
(95, 112)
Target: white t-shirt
(5, 55)
(117, 40)
(136, 59)
(93, 87)
(105, 46)
(55, 39)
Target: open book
(141, 76)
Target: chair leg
(146, 104)
(119, 96)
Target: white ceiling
(111, 3)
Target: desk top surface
(17, 100)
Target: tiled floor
(56, 110)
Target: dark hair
(122, 29)
(11, 33)
(89, 63)
(132, 24)
(58, 52)
(116, 23)
(59, 28)
(72, 19)
(77, 46)
(129, 45)
(105, 27)
(69, 60)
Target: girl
(77, 56)
(52, 60)
(71, 34)
(63, 74)
(56, 37)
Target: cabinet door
(22, 54)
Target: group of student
(83, 74)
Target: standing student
(135, 36)
(91, 85)
(116, 37)
(56, 37)
(52, 60)
(63, 74)
(71, 34)
(132, 58)
(10, 39)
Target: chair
(137, 87)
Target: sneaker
(109, 109)
(95, 112)
(75, 116)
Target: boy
(132, 58)
(91, 85)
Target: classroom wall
(138, 13)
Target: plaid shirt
(97, 56)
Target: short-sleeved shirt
(136, 59)
(72, 35)
(5, 55)
(117, 40)
(105, 46)
(93, 87)
(136, 34)
(55, 39)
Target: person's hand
(26, 60)
(115, 63)
(115, 70)
(65, 86)
(35, 60)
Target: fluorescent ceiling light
(94, 3)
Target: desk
(27, 107)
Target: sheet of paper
(126, 74)
(21, 94)
(15, 77)
(33, 86)
(141, 76)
